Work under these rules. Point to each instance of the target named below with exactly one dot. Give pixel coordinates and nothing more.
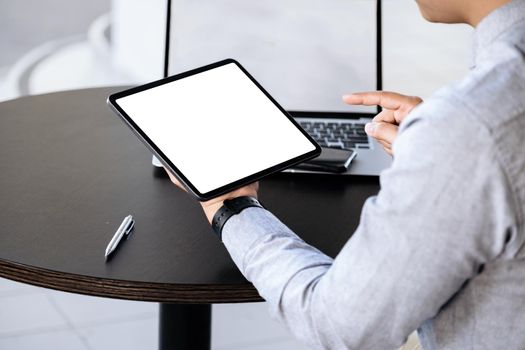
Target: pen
(123, 230)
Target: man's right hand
(395, 108)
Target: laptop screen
(306, 53)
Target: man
(440, 248)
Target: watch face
(215, 128)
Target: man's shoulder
(492, 92)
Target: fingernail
(347, 96)
(370, 128)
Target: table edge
(129, 290)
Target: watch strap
(229, 208)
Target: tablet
(215, 128)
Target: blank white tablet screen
(216, 127)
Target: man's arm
(441, 213)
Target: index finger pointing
(385, 99)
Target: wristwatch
(229, 208)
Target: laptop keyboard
(336, 134)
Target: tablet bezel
(113, 103)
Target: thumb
(382, 131)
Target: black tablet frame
(113, 103)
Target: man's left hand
(210, 207)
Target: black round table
(71, 171)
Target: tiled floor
(37, 318)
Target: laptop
(306, 53)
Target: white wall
(137, 36)
(418, 56)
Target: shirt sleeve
(441, 213)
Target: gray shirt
(440, 248)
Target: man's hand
(395, 108)
(210, 207)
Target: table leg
(184, 326)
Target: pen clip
(129, 227)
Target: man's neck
(476, 10)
